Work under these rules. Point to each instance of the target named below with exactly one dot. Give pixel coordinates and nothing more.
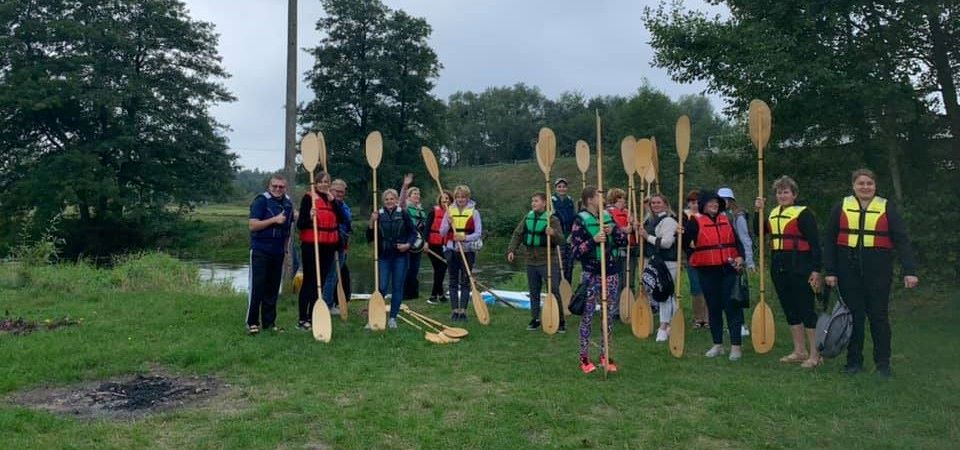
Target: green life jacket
(534, 230)
(593, 227)
(418, 215)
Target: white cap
(725, 192)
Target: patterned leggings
(594, 287)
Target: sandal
(795, 358)
(812, 363)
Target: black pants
(439, 271)
(459, 277)
(717, 283)
(411, 286)
(536, 278)
(796, 297)
(868, 297)
(308, 290)
(265, 273)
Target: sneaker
(735, 354)
(443, 299)
(392, 323)
(586, 366)
(744, 331)
(714, 351)
(562, 329)
(463, 317)
(253, 330)
(852, 369)
(433, 300)
(662, 335)
(611, 366)
(454, 317)
(884, 372)
(334, 311)
(273, 328)
(304, 325)
(534, 325)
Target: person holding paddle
(436, 242)
(532, 232)
(338, 188)
(565, 210)
(463, 227)
(617, 208)
(271, 216)
(699, 303)
(659, 234)
(794, 267)
(397, 234)
(320, 207)
(410, 201)
(862, 233)
(586, 234)
(717, 254)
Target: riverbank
(501, 387)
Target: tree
(105, 108)
(373, 71)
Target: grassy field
(502, 387)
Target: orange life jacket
(622, 218)
(434, 237)
(326, 220)
(716, 242)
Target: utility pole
(290, 133)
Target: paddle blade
(434, 338)
(377, 312)
(550, 315)
(322, 151)
(583, 156)
(548, 141)
(628, 153)
(762, 330)
(342, 302)
(641, 322)
(650, 174)
(455, 332)
(541, 158)
(566, 293)
(322, 326)
(644, 156)
(626, 301)
(677, 333)
(655, 161)
(310, 151)
(759, 124)
(374, 149)
(683, 137)
(431, 162)
(479, 307)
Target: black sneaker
(454, 317)
(433, 300)
(884, 372)
(562, 329)
(852, 369)
(534, 325)
(443, 299)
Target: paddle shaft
(316, 244)
(603, 253)
(376, 237)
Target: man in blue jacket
(565, 210)
(271, 217)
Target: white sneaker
(714, 351)
(662, 335)
(735, 354)
(744, 331)
(334, 310)
(392, 323)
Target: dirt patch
(19, 325)
(129, 397)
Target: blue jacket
(272, 239)
(564, 210)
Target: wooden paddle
(762, 324)
(376, 307)
(434, 329)
(341, 295)
(546, 153)
(583, 162)
(603, 254)
(566, 291)
(432, 337)
(642, 323)
(678, 325)
(453, 332)
(628, 151)
(479, 306)
(655, 163)
(320, 319)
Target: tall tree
(374, 70)
(105, 108)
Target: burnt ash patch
(20, 326)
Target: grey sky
(597, 47)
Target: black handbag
(579, 301)
(741, 291)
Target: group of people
(714, 238)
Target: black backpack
(834, 329)
(657, 279)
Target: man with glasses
(271, 217)
(338, 188)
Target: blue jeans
(393, 270)
(330, 284)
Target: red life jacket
(326, 220)
(716, 242)
(622, 218)
(434, 237)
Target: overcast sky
(597, 48)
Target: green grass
(502, 387)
